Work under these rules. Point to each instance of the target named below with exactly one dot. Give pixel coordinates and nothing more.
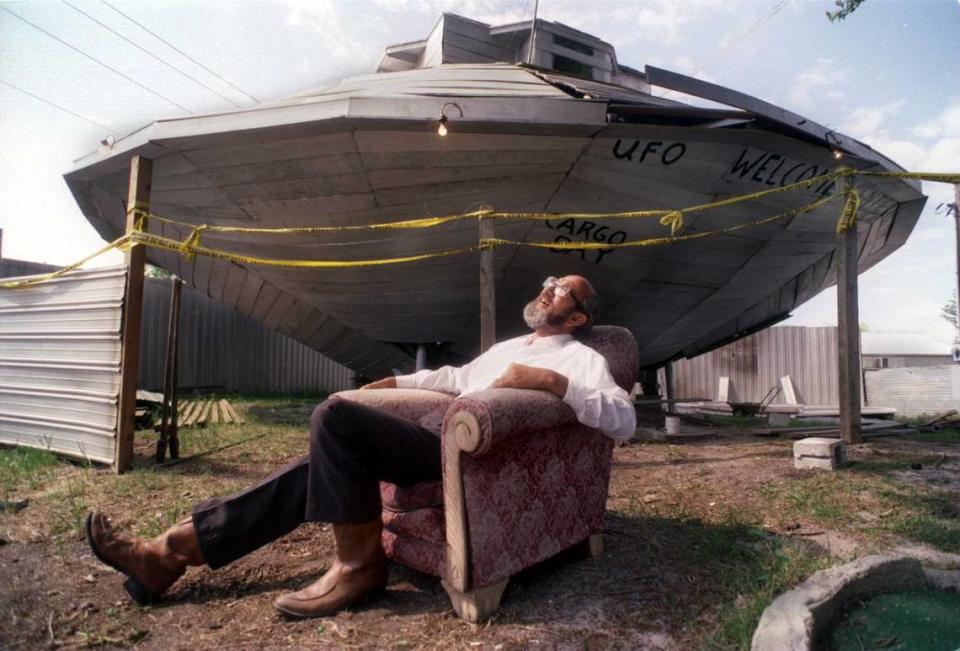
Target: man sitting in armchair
(353, 447)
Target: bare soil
(690, 532)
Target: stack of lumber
(199, 413)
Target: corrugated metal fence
(60, 363)
(756, 363)
(223, 350)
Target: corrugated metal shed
(223, 350)
(60, 363)
(756, 363)
(914, 391)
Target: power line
(79, 51)
(759, 22)
(148, 52)
(56, 106)
(174, 47)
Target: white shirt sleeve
(445, 378)
(452, 379)
(599, 402)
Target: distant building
(900, 350)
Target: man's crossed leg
(352, 448)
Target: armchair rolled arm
(412, 404)
(478, 421)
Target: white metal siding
(60, 363)
(914, 390)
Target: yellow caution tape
(848, 216)
(158, 242)
(656, 241)
(36, 280)
(670, 218)
(936, 177)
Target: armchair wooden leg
(589, 547)
(594, 545)
(476, 605)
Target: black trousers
(352, 448)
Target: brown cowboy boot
(359, 571)
(151, 566)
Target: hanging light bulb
(442, 130)
(837, 154)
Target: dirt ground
(699, 538)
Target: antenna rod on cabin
(533, 33)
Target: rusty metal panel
(756, 363)
(60, 363)
(914, 391)
(223, 350)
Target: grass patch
(738, 421)
(755, 575)
(869, 500)
(942, 436)
(24, 468)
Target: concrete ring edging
(796, 619)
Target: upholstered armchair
(522, 481)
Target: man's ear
(576, 319)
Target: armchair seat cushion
(402, 499)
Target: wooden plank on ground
(234, 415)
(204, 411)
(723, 391)
(789, 393)
(225, 415)
(214, 412)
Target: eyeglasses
(560, 289)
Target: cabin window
(563, 64)
(572, 45)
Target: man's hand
(520, 376)
(385, 383)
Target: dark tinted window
(572, 45)
(563, 64)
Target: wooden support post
(421, 357)
(169, 409)
(141, 171)
(174, 434)
(668, 382)
(848, 331)
(488, 292)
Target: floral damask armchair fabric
(522, 481)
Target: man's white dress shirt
(591, 390)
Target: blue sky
(889, 75)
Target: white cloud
(322, 17)
(866, 120)
(946, 124)
(821, 81)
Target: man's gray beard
(537, 318)
(534, 318)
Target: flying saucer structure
(573, 131)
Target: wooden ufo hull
(366, 150)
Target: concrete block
(819, 453)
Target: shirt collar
(555, 341)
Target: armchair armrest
(412, 404)
(479, 421)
